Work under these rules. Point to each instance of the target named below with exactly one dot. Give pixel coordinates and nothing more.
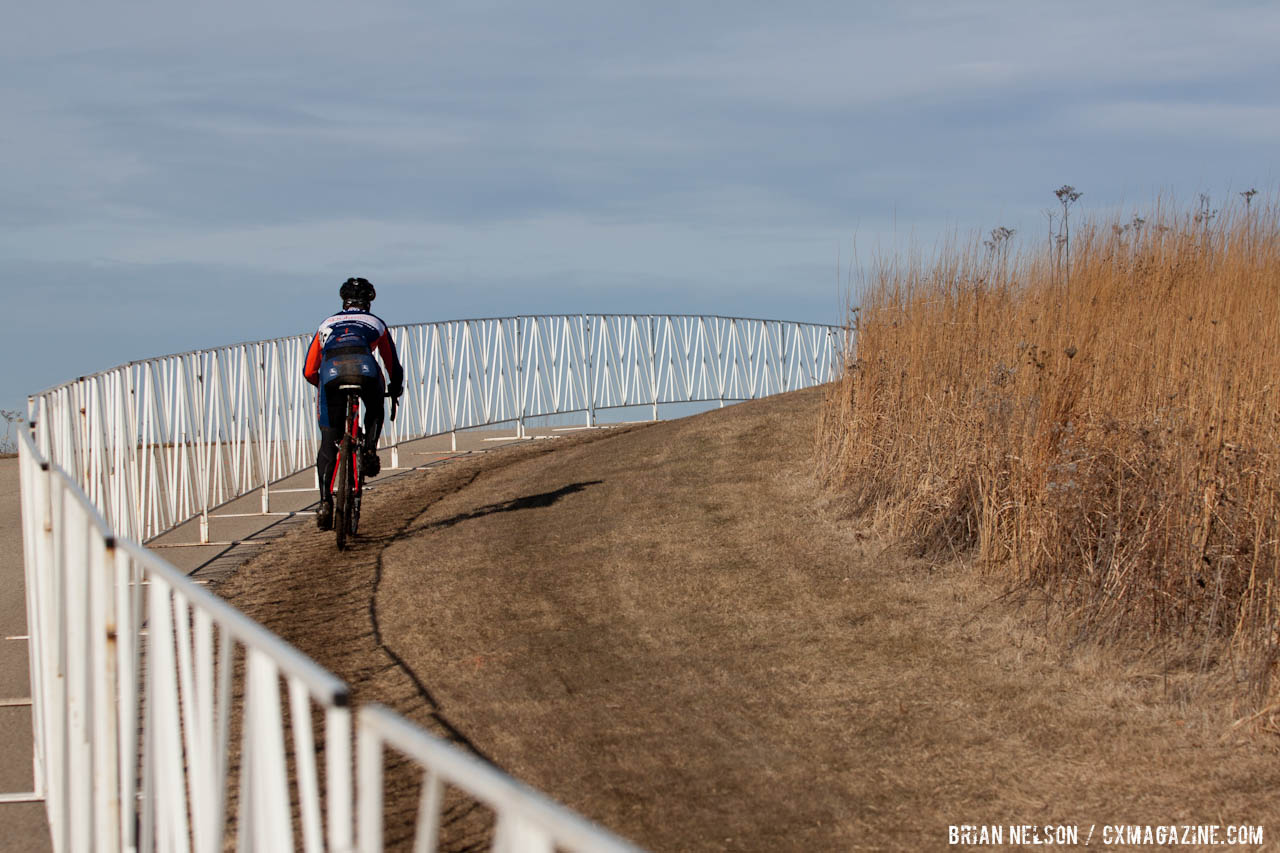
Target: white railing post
(263, 432)
(305, 756)
(653, 364)
(103, 662)
(37, 530)
(520, 373)
(338, 765)
(127, 591)
(267, 771)
(591, 376)
(65, 701)
(369, 779)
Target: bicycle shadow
(538, 501)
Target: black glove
(397, 390)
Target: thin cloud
(518, 157)
(1242, 123)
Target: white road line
(208, 544)
(258, 514)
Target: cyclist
(342, 353)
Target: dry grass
(1109, 437)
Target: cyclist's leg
(326, 454)
(374, 409)
(331, 418)
(371, 394)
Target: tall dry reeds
(1114, 441)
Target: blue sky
(179, 177)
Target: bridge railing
(143, 682)
(140, 678)
(158, 442)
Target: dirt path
(663, 628)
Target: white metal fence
(140, 678)
(155, 443)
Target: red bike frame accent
(354, 414)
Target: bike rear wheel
(342, 498)
(353, 503)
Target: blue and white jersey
(352, 332)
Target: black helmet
(357, 291)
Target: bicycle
(347, 485)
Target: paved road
(22, 825)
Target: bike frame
(352, 431)
(347, 482)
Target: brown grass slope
(1105, 431)
(667, 629)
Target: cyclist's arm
(386, 348)
(311, 368)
